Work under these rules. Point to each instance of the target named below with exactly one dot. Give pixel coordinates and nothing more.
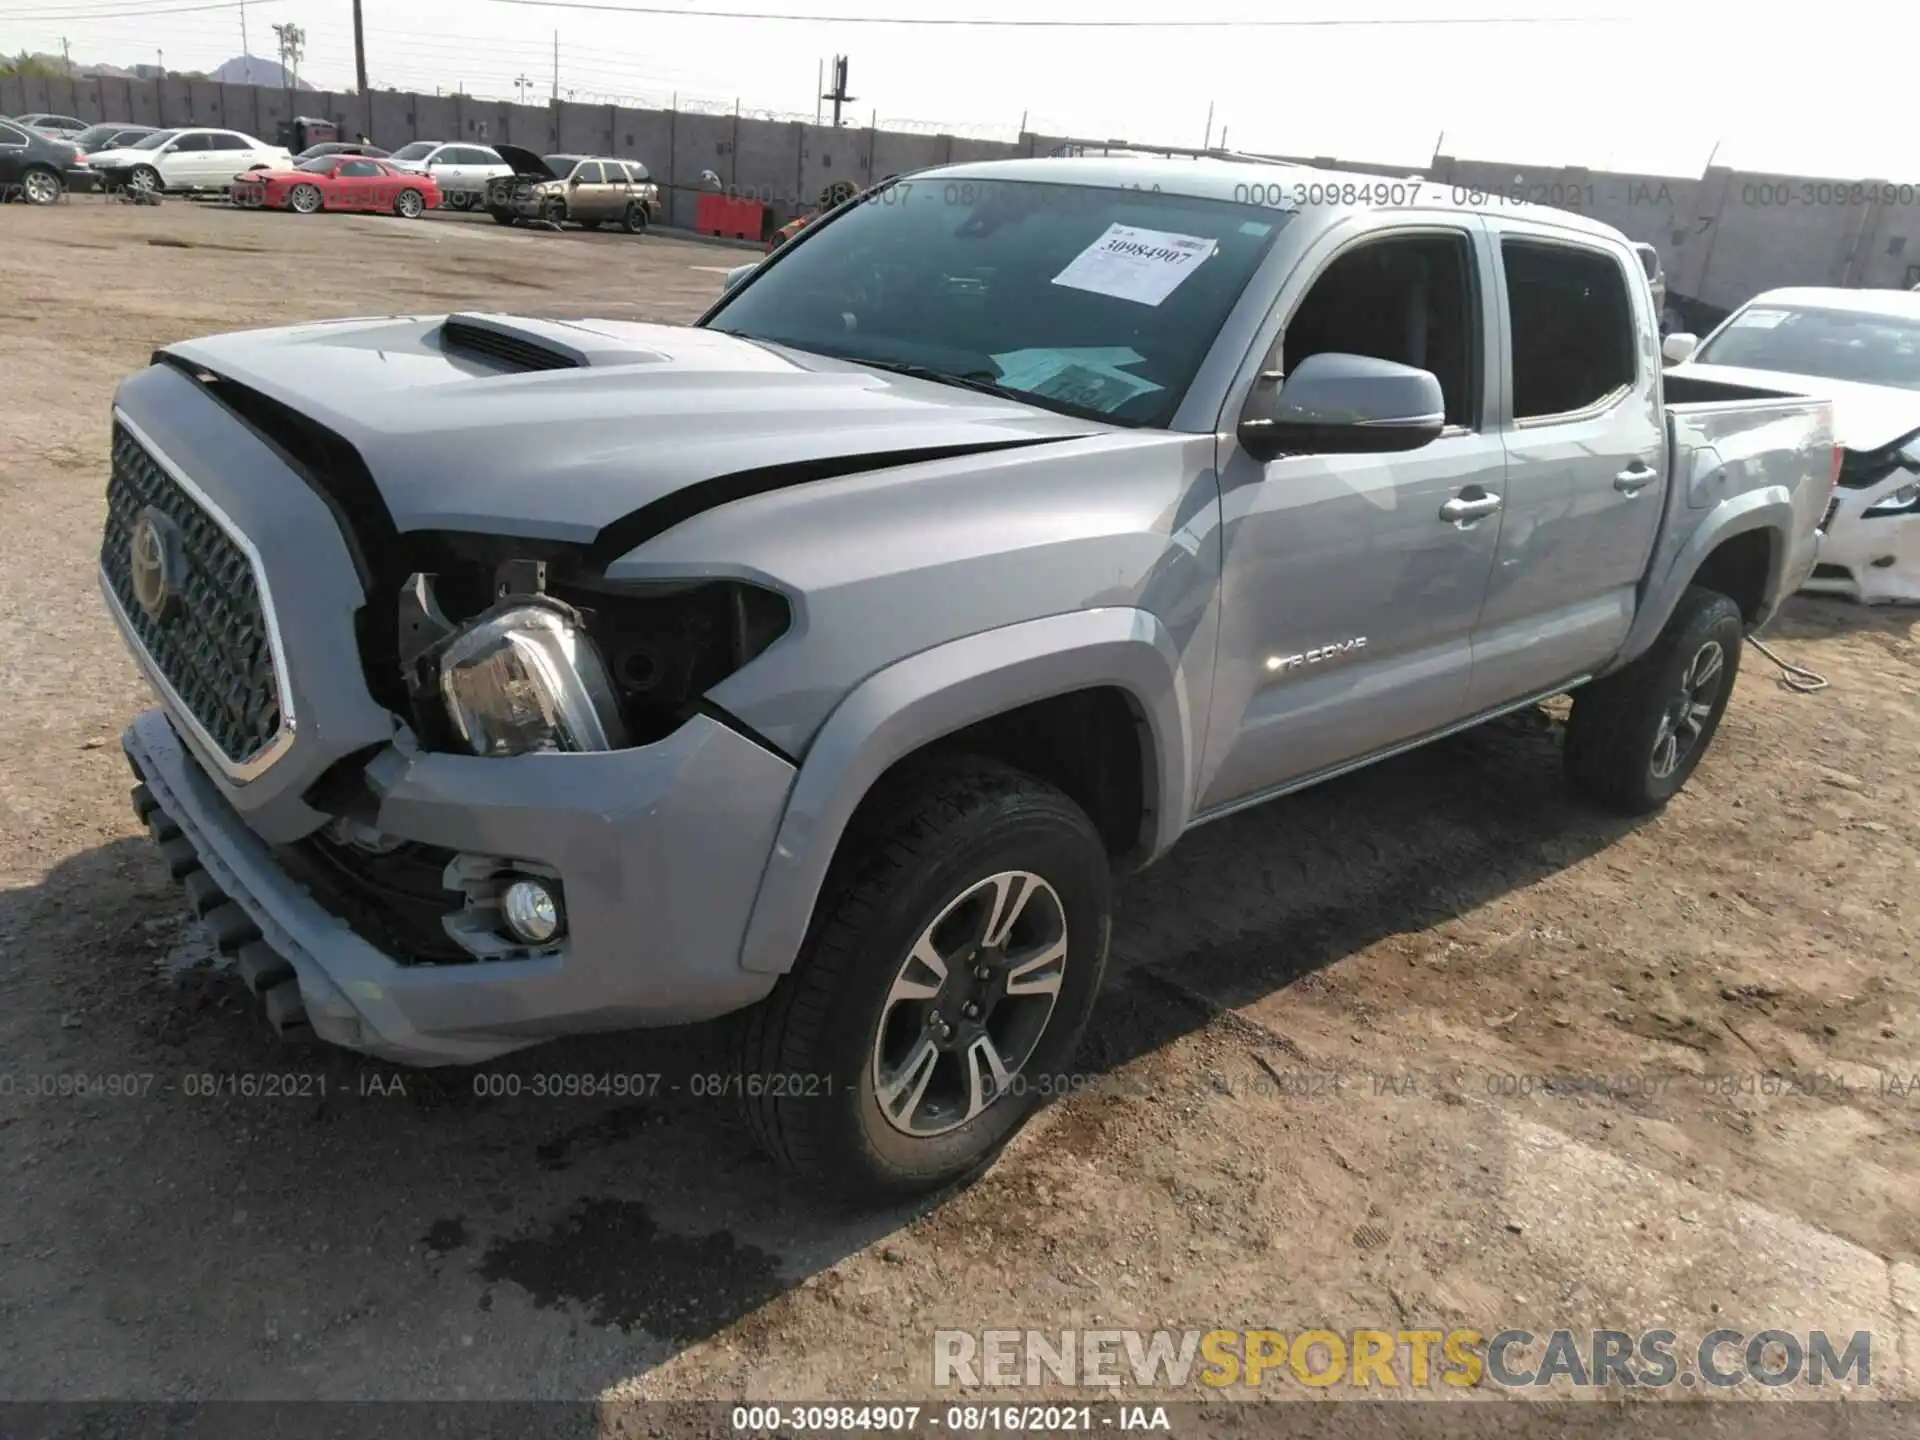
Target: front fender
(1769, 508)
(937, 692)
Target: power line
(1258, 24)
(137, 14)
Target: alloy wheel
(1686, 717)
(969, 1004)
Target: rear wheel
(634, 222)
(305, 199)
(41, 186)
(459, 200)
(409, 205)
(951, 966)
(1635, 736)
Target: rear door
(229, 154)
(1586, 458)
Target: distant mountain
(253, 70)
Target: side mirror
(1334, 404)
(735, 276)
(1678, 347)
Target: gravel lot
(1317, 1090)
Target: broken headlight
(524, 677)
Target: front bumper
(524, 201)
(660, 850)
(1873, 560)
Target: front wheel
(409, 205)
(501, 217)
(554, 212)
(304, 200)
(1635, 736)
(953, 960)
(459, 200)
(144, 178)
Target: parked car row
(39, 167)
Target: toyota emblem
(154, 564)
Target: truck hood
(458, 438)
(525, 162)
(1866, 418)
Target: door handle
(1458, 510)
(1635, 478)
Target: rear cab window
(1571, 328)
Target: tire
(1635, 736)
(459, 200)
(144, 177)
(409, 205)
(502, 217)
(926, 858)
(554, 212)
(634, 221)
(589, 224)
(41, 186)
(305, 199)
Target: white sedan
(187, 160)
(1861, 350)
(461, 171)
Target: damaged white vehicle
(1860, 349)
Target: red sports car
(338, 182)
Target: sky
(1611, 84)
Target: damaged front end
(492, 653)
(1870, 545)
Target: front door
(362, 184)
(1351, 585)
(1586, 460)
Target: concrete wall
(1723, 235)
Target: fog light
(532, 911)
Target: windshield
(560, 164)
(154, 141)
(94, 135)
(1095, 301)
(418, 150)
(1832, 344)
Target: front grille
(212, 643)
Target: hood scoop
(520, 344)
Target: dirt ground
(1429, 1046)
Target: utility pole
(359, 48)
(293, 41)
(246, 50)
(819, 80)
(521, 86)
(66, 53)
(1207, 144)
(556, 66)
(838, 95)
(160, 62)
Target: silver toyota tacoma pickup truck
(826, 661)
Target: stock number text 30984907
(1304, 194)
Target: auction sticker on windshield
(1089, 378)
(1129, 263)
(1759, 320)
